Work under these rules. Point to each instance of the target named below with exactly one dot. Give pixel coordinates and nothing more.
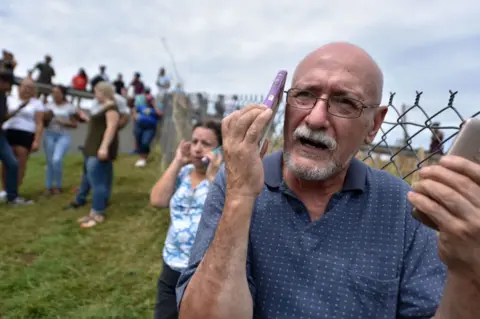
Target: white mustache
(304, 131)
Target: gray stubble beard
(311, 173)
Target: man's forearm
(219, 287)
(461, 299)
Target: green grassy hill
(50, 268)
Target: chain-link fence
(410, 137)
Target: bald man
(312, 232)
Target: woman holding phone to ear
(183, 188)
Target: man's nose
(318, 118)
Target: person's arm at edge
(39, 126)
(461, 298)
(219, 288)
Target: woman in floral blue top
(183, 188)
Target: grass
(50, 268)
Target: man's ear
(378, 119)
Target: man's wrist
(235, 198)
(460, 297)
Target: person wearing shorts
(7, 158)
(23, 128)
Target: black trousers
(166, 306)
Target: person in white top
(24, 126)
(232, 106)
(163, 85)
(57, 137)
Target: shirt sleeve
(40, 107)
(423, 275)
(206, 230)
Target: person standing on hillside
(46, 71)
(100, 151)
(232, 106)
(163, 85)
(137, 84)
(57, 138)
(102, 76)
(7, 157)
(124, 117)
(147, 116)
(23, 127)
(80, 82)
(119, 84)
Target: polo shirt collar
(354, 180)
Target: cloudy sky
(238, 46)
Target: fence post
(421, 158)
(404, 120)
(168, 135)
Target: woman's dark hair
(62, 89)
(215, 126)
(82, 72)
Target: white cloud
(237, 46)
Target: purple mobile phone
(206, 160)
(273, 100)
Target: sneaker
(141, 163)
(3, 195)
(20, 201)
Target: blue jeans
(11, 164)
(85, 186)
(56, 146)
(98, 177)
(144, 136)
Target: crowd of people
(30, 117)
(308, 231)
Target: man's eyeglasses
(337, 105)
